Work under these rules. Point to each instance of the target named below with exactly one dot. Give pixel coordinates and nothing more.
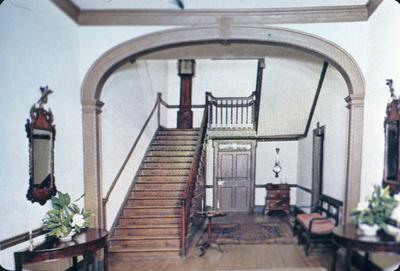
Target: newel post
(92, 173)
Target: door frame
(232, 145)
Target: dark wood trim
(176, 106)
(314, 104)
(20, 238)
(69, 8)
(301, 188)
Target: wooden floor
(236, 256)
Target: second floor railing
(231, 112)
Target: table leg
(17, 262)
(347, 265)
(105, 260)
(334, 257)
(75, 263)
(365, 261)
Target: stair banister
(187, 195)
(122, 168)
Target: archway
(223, 34)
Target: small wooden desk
(348, 236)
(85, 243)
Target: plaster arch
(224, 34)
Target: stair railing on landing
(122, 168)
(196, 171)
(232, 113)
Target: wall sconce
(277, 167)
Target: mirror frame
(41, 119)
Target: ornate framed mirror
(41, 133)
(391, 174)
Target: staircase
(149, 222)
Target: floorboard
(247, 257)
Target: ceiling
(209, 4)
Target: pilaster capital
(355, 100)
(90, 106)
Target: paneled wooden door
(234, 177)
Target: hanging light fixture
(277, 167)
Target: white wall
(383, 63)
(332, 113)
(34, 54)
(374, 46)
(129, 96)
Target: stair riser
(153, 211)
(148, 221)
(175, 186)
(152, 202)
(147, 232)
(164, 193)
(171, 153)
(174, 143)
(166, 165)
(164, 172)
(168, 159)
(177, 137)
(119, 244)
(181, 132)
(150, 254)
(173, 148)
(160, 179)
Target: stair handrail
(132, 149)
(190, 183)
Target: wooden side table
(85, 243)
(210, 242)
(349, 237)
(278, 198)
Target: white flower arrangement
(378, 208)
(65, 217)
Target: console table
(349, 237)
(85, 243)
(278, 197)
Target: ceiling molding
(68, 8)
(372, 5)
(345, 13)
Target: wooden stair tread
(148, 226)
(148, 216)
(152, 207)
(145, 249)
(154, 237)
(154, 198)
(161, 189)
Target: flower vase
(68, 237)
(369, 230)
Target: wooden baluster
(247, 112)
(216, 113)
(231, 112)
(241, 114)
(226, 112)
(237, 111)
(222, 113)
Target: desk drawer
(277, 194)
